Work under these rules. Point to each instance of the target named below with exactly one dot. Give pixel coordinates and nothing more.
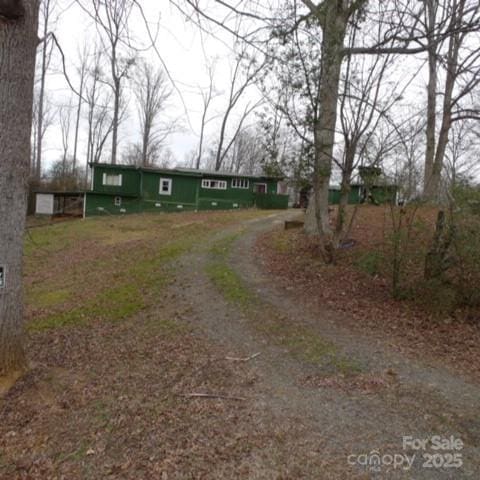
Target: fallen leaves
(365, 301)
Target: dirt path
(337, 400)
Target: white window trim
(164, 179)
(244, 183)
(104, 179)
(206, 184)
(117, 201)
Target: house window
(165, 186)
(112, 179)
(118, 201)
(240, 183)
(260, 188)
(216, 184)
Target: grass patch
(306, 344)
(281, 243)
(229, 283)
(223, 276)
(222, 248)
(109, 268)
(134, 286)
(43, 299)
(112, 304)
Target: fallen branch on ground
(211, 395)
(244, 359)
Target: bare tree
(152, 92)
(82, 71)
(394, 30)
(18, 38)
(239, 83)
(65, 117)
(461, 156)
(47, 119)
(99, 121)
(461, 64)
(408, 154)
(46, 11)
(111, 19)
(247, 152)
(207, 94)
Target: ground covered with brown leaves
(362, 292)
(112, 361)
(132, 319)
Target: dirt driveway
(361, 409)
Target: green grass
(108, 269)
(223, 276)
(229, 283)
(49, 298)
(222, 248)
(281, 243)
(133, 287)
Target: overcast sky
(179, 43)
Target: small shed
(68, 204)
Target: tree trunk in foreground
(431, 99)
(334, 25)
(18, 43)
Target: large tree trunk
(334, 23)
(432, 191)
(341, 220)
(431, 102)
(18, 43)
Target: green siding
(353, 196)
(130, 180)
(384, 193)
(271, 201)
(103, 204)
(241, 196)
(183, 188)
(140, 192)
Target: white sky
(180, 45)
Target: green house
(118, 189)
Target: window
(260, 188)
(240, 183)
(216, 184)
(165, 186)
(112, 179)
(118, 201)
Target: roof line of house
(182, 171)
